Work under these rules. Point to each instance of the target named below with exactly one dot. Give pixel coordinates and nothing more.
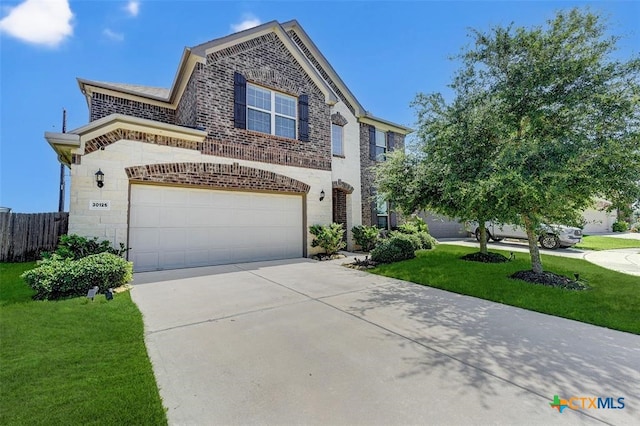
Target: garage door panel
(199, 198)
(198, 217)
(174, 216)
(145, 239)
(178, 198)
(174, 227)
(146, 261)
(175, 238)
(146, 216)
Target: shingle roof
(159, 93)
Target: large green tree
(553, 116)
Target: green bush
(365, 236)
(427, 241)
(620, 226)
(76, 247)
(413, 238)
(413, 226)
(57, 278)
(329, 237)
(393, 249)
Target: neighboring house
(257, 139)
(597, 219)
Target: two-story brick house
(257, 139)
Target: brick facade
(339, 206)
(367, 174)
(187, 110)
(215, 176)
(267, 62)
(103, 105)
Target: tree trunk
(534, 252)
(483, 237)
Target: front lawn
(612, 301)
(595, 242)
(72, 361)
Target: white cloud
(112, 35)
(133, 7)
(46, 22)
(248, 21)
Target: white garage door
(173, 228)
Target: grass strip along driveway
(596, 242)
(72, 361)
(613, 299)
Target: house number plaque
(100, 205)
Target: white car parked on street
(551, 236)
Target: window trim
(272, 112)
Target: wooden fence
(24, 235)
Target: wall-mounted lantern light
(322, 195)
(100, 178)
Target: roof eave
(63, 144)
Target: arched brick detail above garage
(342, 186)
(216, 175)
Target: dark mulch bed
(549, 279)
(485, 258)
(361, 265)
(324, 256)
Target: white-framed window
(382, 212)
(337, 137)
(381, 145)
(271, 112)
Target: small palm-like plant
(329, 237)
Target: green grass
(595, 242)
(612, 301)
(72, 361)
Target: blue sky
(386, 52)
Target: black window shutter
(239, 101)
(373, 205)
(391, 143)
(303, 118)
(372, 143)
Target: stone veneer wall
(367, 174)
(103, 105)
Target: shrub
(365, 236)
(635, 227)
(393, 249)
(76, 247)
(427, 240)
(619, 226)
(413, 226)
(57, 278)
(413, 238)
(329, 237)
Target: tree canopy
(542, 120)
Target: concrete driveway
(303, 342)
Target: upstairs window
(337, 144)
(271, 112)
(379, 144)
